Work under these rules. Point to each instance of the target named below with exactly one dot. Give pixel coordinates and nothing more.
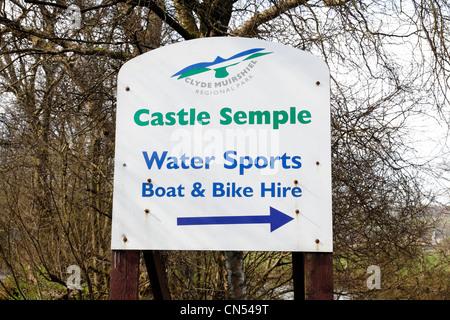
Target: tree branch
(63, 6)
(250, 27)
(150, 4)
(14, 26)
(153, 6)
(185, 15)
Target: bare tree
(389, 62)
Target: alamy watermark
(69, 20)
(374, 280)
(73, 14)
(74, 280)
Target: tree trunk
(235, 277)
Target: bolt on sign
(223, 144)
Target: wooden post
(156, 274)
(312, 273)
(318, 276)
(124, 275)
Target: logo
(221, 75)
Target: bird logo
(220, 65)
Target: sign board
(223, 144)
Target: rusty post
(318, 275)
(156, 274)
(124, 275)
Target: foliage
(389, 62)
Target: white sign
(223, 144)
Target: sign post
(124, 275)
(223, 144)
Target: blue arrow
(276, 220)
